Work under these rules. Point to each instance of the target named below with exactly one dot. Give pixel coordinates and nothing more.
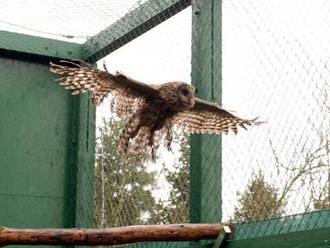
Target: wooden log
(109, 236)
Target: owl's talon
(153, 155)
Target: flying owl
(151, 110)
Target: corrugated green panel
(302, 230)
(159, 245)
(206, 76)
(316, 238)
(33, 45)
(42, 138)
(287, 224)
(133, 24)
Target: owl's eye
(184, 91)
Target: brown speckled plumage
(152, 110)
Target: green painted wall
(46, 149)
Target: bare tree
(310, 176)
(313, 169)
(314, 165)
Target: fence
(283, 77)
(266, 59)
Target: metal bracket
(223, 234)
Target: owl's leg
(151, 143)
(154, 140)
(168, 136)
(168, 140)
(129, 132)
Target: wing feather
(128, 94)
(81, 79)
(207, 117)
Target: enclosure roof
(69, 20)
(101, 26)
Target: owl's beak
(192, 102)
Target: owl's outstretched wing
(83, 78)
(207, 117)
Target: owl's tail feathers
(145, 141)
(140, 142)
(129, 132)
(136, 140)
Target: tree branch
(304, 169)
(109, 236)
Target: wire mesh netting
(137, 190)
(276, 65)
(65, 20)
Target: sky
(275, 65)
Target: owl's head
(179, 95)
(186, 95)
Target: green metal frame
(132, 25)
(305, 230)
(37, 46)
(205, 162)
(84, 143)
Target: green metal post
(85, 162)
(206, 76)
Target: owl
(151, 110)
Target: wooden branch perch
(109, 236)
